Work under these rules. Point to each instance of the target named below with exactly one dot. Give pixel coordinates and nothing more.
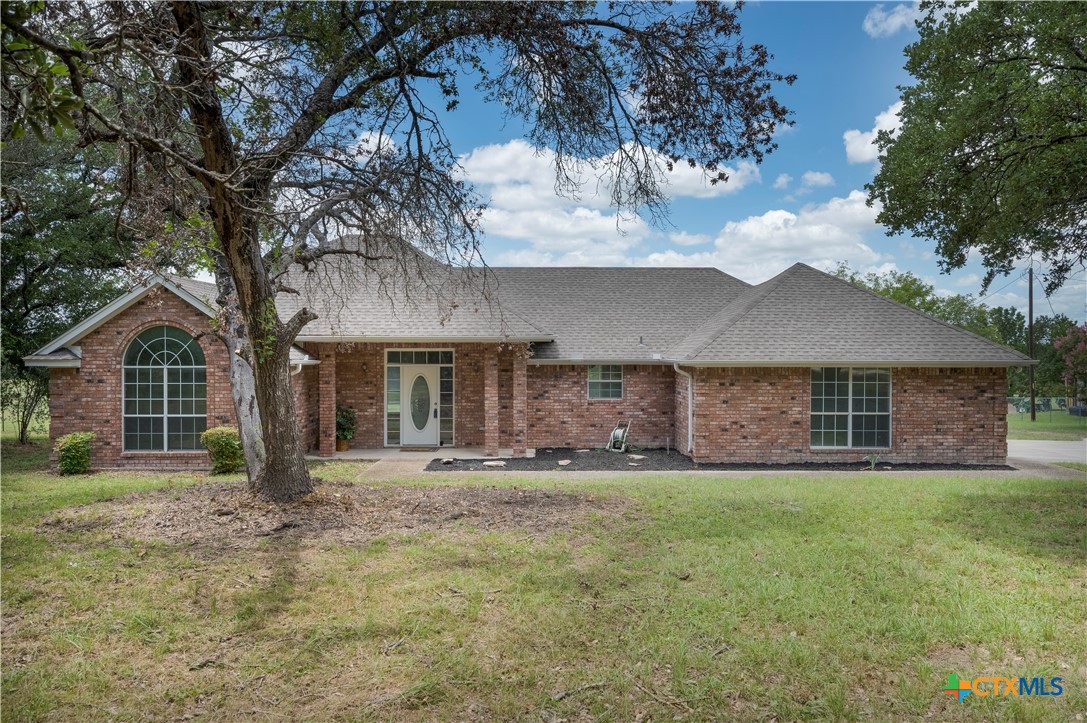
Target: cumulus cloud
(860, 146)
(816, 179)
(880, 23)
(523, 206)
(758, 247)
(682, 238)
(783, 181)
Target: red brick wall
(360, 379)
(681, 384)
(88, 399)
(307, 401)
(560, 413)
(937, 415)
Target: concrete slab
(1047, 451)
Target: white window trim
(849, 415)
(385, 394)
(588, 384)
(166, 416)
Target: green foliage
(61, 258)
(74, 452)
(23, 393)
(345, 422)
(991, 151)
(1073, 348)
(224, 446)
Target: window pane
(394, 357)
(447, 357)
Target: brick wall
(88, 399)
(307, 405)
(937, 415)
(560, 413)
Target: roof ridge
(760, 292)
(917, 312)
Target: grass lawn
(845, 597)
(1058, 425)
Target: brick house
(803, 367)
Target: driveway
(1047, 451)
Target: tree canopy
(260, 131)
(990, 153)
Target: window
(850, 407)
(165, 392)
(605, 381)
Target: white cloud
(783, 181)
(523, 206)
(860, 145)
(880, 23)
(970, 280)
(758, 247)
(682, 238)
(816, 179)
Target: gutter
(690, 406)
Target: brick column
(520, 403)
(490, 402)
(326, 385)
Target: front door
(419, 390)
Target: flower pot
(342, 445)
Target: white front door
(419, 402)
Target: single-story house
(804, 367)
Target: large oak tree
(991, 150)
(263, 130)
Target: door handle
(435, 412)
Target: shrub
(74, 452)
(345, 422)
(225, 449)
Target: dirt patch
(660, 460)
(224, 514)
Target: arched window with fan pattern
(165, 392)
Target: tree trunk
(242, 384)
(285, 475)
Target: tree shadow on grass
(261, 603)
(1043, 518)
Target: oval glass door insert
(420, 402)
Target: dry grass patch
(224, 515)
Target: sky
(805, 202)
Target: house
(801, 368)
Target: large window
(850, 407)
(605, 381)
(165, 392)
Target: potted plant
(345, 427)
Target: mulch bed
(659, 460)
(224, 514)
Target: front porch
(437, 452)
(461, 399)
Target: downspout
(297, 369)
(690, 406)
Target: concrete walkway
(1047, 451)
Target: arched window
(165, 392)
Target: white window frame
(166, 416)
(589, 383)
(849, 415)
(385, 393)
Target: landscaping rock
(563, 462)
(448, 460)
(636, 456)
(494, 463)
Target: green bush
(74, 452)
(345, 422)
(225, 449)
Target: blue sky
(806, 202)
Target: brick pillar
(326, 384)
(490, 402)
(520, 394)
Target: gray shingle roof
(620, 314)
(688, 315)
(804, 316)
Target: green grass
(1073, 465)
(1056, 425)
(846, 597)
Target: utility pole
(1030, 334)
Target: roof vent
(641, 341)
